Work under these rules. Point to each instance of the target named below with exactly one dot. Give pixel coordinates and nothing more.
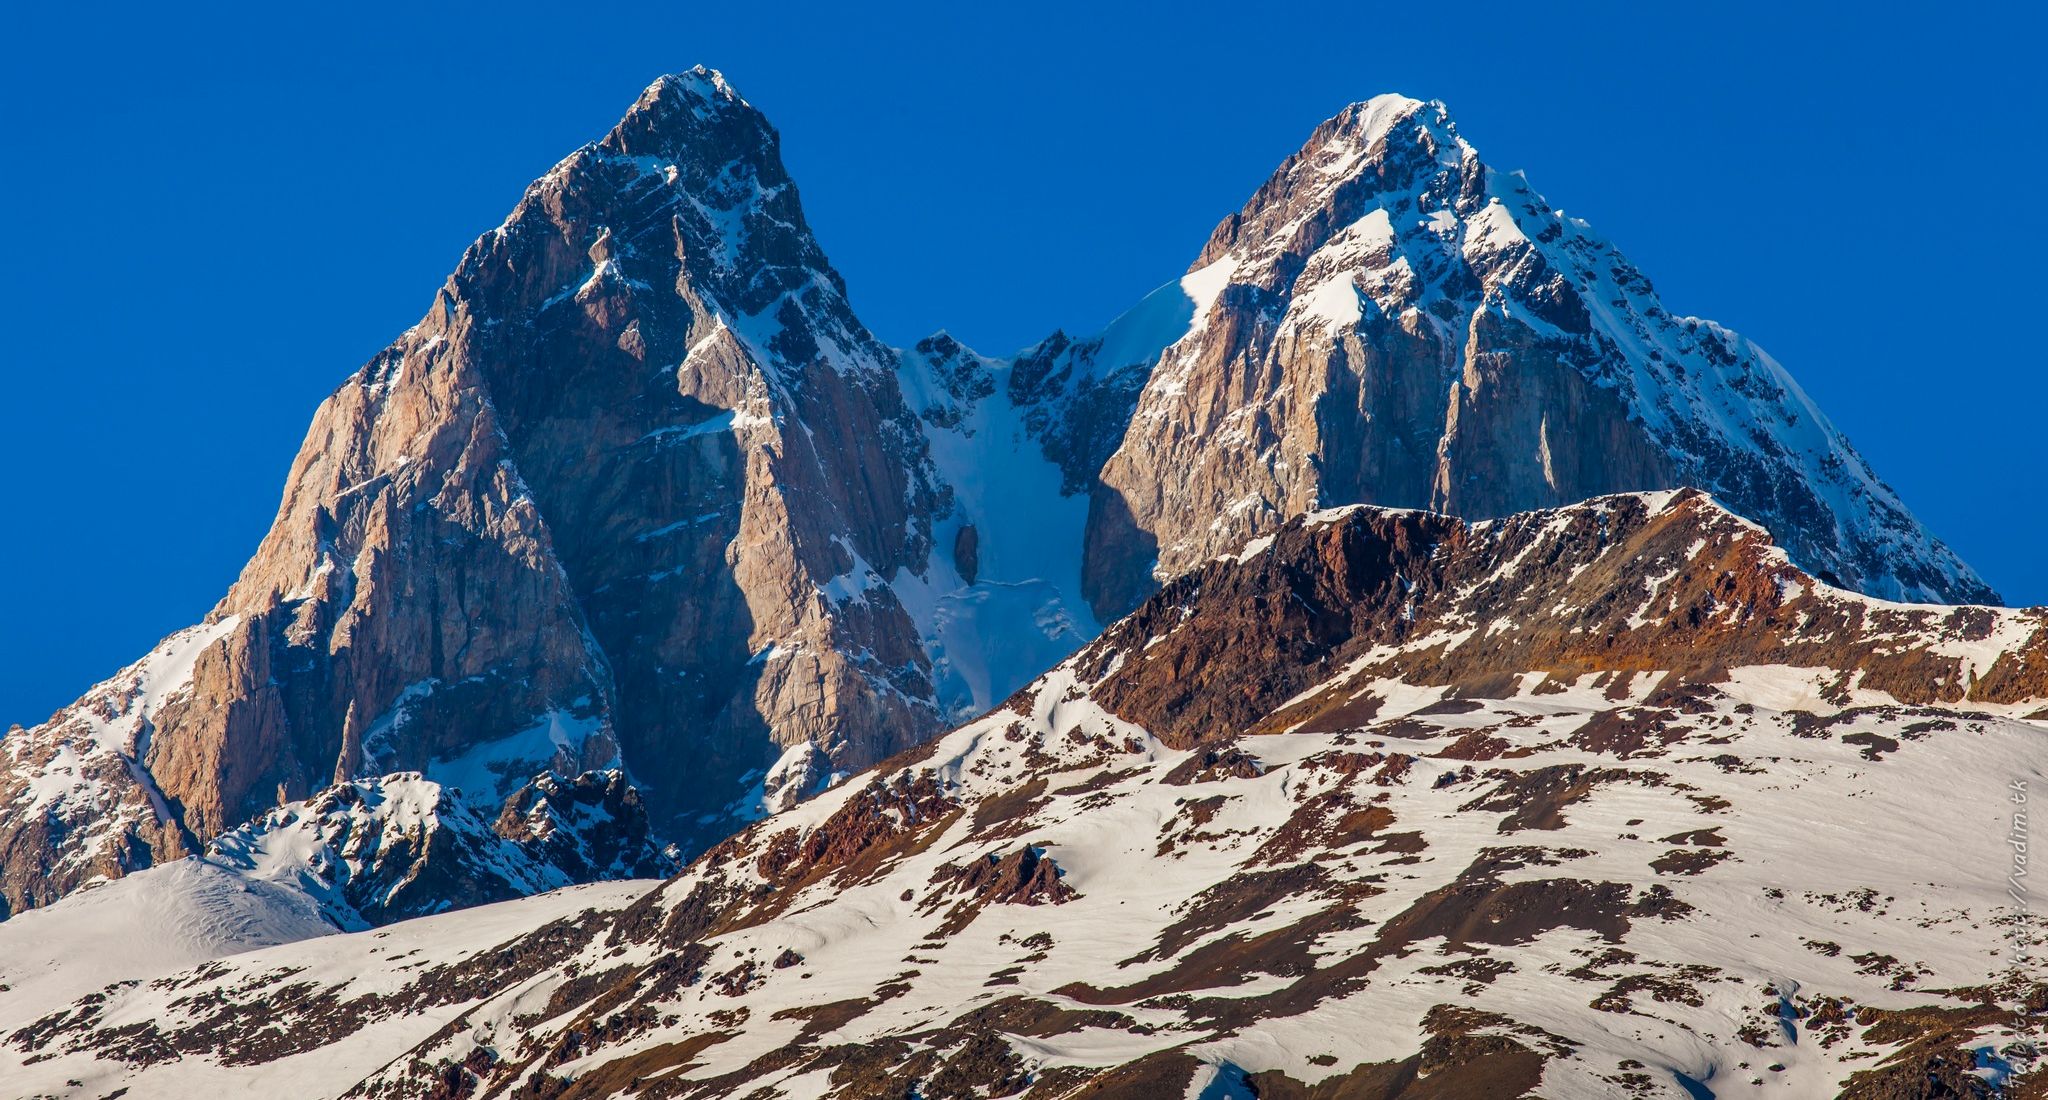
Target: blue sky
(215, 216)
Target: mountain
(614, 503)
(1391, 321)
(641, 500)
(1608, 800)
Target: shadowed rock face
(1390, 321)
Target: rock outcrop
(369, 852)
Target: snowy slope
(386, 959)
(154, 922)
(1606, 801)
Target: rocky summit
(1435, 622)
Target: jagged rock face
(1574, 803)
(1390, 321)
(588, 828)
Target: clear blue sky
(214, 217)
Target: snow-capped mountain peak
(1396, 322)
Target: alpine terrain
(1397, 658)
(1611, 800)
